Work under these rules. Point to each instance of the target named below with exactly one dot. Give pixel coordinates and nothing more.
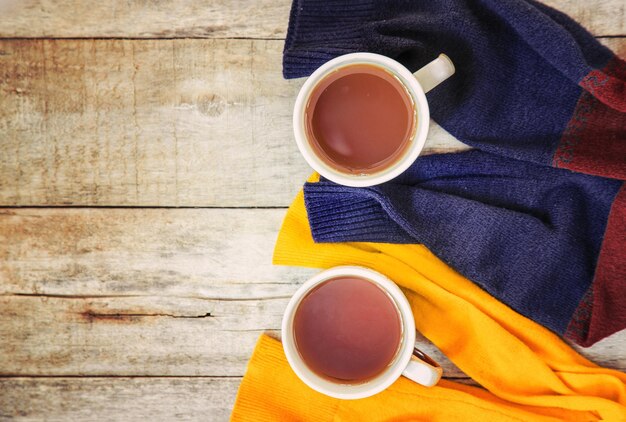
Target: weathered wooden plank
(117, 399)
(169, 122)
(618, 45)
(174, 122)
(150, 292)
(150, 123)
(599, 17)
(212, 19)
(197, 286)
(177, 122)
(144, 19)
(145, 123)
(609, 352)
(155, 336)
(141, 335)
(180, 252)
(131, 335)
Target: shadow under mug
(409, 360)
(417, 85)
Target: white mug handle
(422, 369)
(435, 72)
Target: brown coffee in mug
(347, 329)
(360, 119)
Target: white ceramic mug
(417, 85)
(409, 361)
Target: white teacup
(417, 85)
(408, 361)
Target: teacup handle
(435, 72)
(423, 369)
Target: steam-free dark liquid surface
(360, 119)
(347, 329)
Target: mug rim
(416, 142)
(369, 387)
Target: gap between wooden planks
(213, 18)
(153, 123)
(140, 292)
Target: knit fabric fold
(530, 82)
(548, 242)
(271, 391)
(528, 372)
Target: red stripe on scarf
(602, 311)
(594, 140)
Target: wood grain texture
(148, 335)
(109, 292)
(144, 18)
(141, 336)
(150, 122)
(212, 19)
(166, 123)
(145, 123)
(141, 292)
(151, 292)
(117, 399)
(221, 253)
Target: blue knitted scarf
(531, 85)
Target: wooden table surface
(146, 161)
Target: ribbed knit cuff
(321, 30)
(342, 214)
